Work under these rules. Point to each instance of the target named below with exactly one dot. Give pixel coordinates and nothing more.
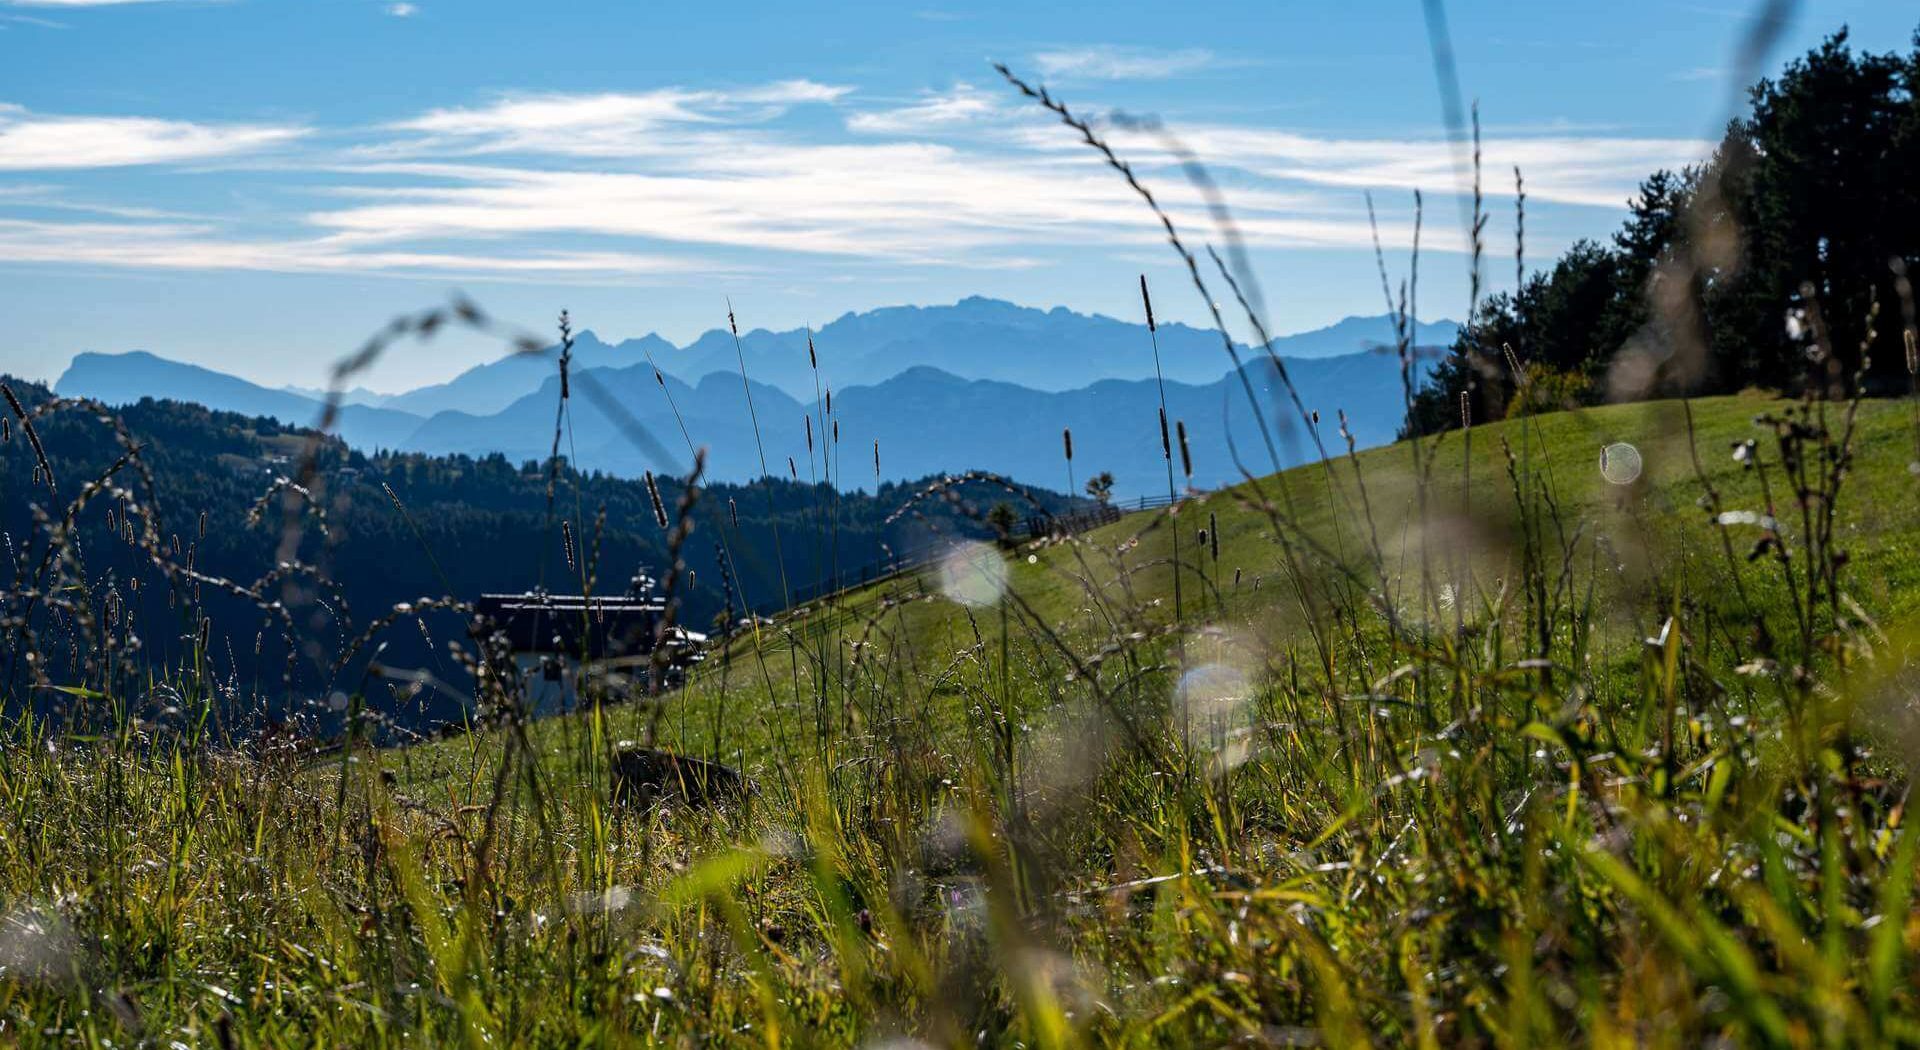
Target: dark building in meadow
(569, 644)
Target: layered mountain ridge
(981, 384)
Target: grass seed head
(659, 505)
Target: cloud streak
(173, 246)
(701, 181)
(605, 124)
(32, 142)
(935, 111)
(1585, 170)
(1109, 62)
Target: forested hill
(389, 529)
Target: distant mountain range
(981, 384)
(979, 338)
(928, 421)
(122, 379)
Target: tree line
(1795, 233)
(385, 529)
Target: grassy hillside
(1448, 745)
(1633, 545)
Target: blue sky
(255, 185)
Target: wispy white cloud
(403, 10)
(678, 180)
(177, 246)
(1110, 62)
(53, 198)
(961, 104)
(36, 142)
(907, 202)
(1588, 170)
(607, 124)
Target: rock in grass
(645, 775)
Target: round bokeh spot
(1620, 463)
(973, 574)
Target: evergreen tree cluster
(1798, 230)
(386, 529)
